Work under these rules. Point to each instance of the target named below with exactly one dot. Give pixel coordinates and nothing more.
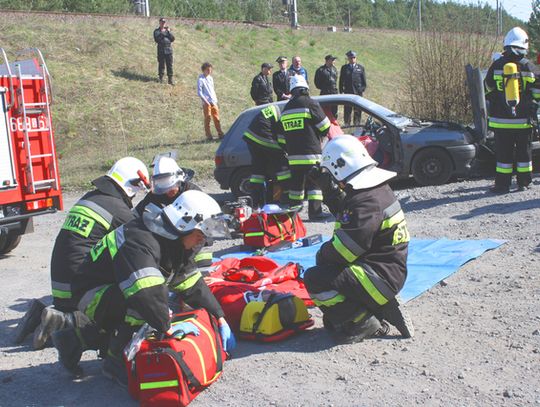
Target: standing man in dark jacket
(164, 39)
(362, 268)
(280, 80)
(326, 79)
(304, 127)
(126, 279)
(261, 87)
(511, 116)
(97, 213)
(269, 168)
(352, 80)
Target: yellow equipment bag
(274, 319)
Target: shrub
(435, 78)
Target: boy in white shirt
(205, 90)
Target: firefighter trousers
(343, 293)
(300, 183)
(513, 145)
(106, 306)
(270, 174)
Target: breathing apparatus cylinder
(511, 86)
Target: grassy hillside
(108, 103)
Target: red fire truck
(29, 181)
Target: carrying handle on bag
(280, 225)
(193, 381)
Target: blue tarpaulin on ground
(429, 261)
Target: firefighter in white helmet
(304, 127)
(168, 182)
(92, 217)
(512, 87)
(362, 268)
(125, 281)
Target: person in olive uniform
(261, 87)
(352, 80)
(326, 79)
(164, 39)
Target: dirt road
(477, 341)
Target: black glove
(321, 178)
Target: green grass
(108, 104)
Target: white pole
(419, 15)
(147, 8)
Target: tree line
(385, 14)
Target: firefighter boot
(72, 342)
(114, 366)
(160, 79)
(52, 320)
(397, 316)
(355, 328)
(171, 81)
(29, 322)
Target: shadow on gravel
(313, 340)
(432, 203)
(132, 76)
(500, 209)
(48, 384)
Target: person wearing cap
(304, 127)
(326, 79)
(125, 281)
(261, 87)
(352, 80)
(296, 68)
(280, 80)
(95, 214)
(362, 268)
(207, 93)
(164, 39)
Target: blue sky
(518, 8)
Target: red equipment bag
(264, 230)
(172, 372)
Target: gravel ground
(477, 334)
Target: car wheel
(432, 166)
(9, 242)
(240, 185)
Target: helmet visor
(215, 227)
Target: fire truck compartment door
(7, 170)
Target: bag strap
(264, 229)
(193, 381)
(217, 337)
(271, 301)
(263, 313)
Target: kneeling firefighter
(125, 280)
(362, 268)
(168, 182)
(269, 165)
(98, 212)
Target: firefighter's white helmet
(298, 81)
(516, 37)
(346, 158)
(131, 174)
(167, 175)
(196, 210)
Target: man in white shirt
(205, 90)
